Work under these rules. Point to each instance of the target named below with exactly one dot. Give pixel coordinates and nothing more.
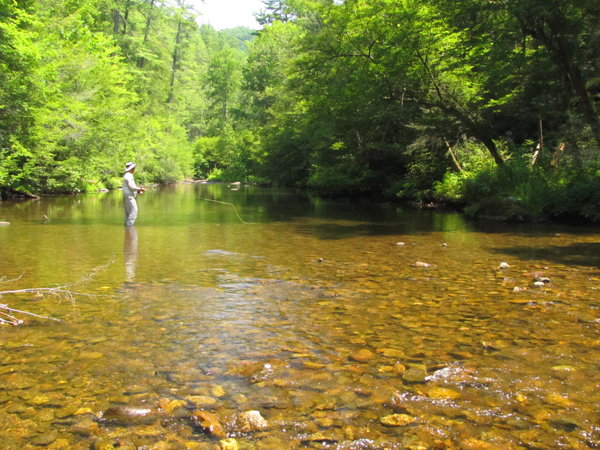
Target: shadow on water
(577, 254)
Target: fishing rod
(225, 203)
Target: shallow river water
(289, 322)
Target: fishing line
(225, 203)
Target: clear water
(309, 311)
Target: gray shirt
(129, 187)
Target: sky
(228, 13)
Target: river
(276, 320)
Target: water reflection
(312, 315)
(130, 253)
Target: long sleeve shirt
(129, 186)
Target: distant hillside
(243, 35)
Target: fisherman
(130, 191)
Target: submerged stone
(229, 444)
(414, 375)
(420, 264)
(251, 421)
(363, 355)
(397, 420)
(209, 423)
(443, 393)
(127, 415)
(45, 439)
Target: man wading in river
(130, 191)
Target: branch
(60, 291)
(15, 321)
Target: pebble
(362, 355)
(397, 420)
(443, 393)
(86, 427)
(421, 264)
(229, 444)
(126, 415)
(251, 421)
(414, 375)
(45, 439)
(202, 401)
(210, 423)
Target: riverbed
(240, 317)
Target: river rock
(129, 415)
(229, 444)
(477, 444)
(45, 439)
(400, 405)
(397, 420)
(169, 406)
(443, 393)
(391, 353)
(209, 423)
(218, 391)
(321, 438)
(270, 443)
(251, 421)
(260, 370)
(414, 375)
(103, 445)
(202, 401)
(4, 224)
(363, 355)
(86, 427)
(420, 264)
(503, 265)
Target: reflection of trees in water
(130, 248)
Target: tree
(569, 31)
(224, 79)
(19, 87)
(274, 11)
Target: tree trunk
(468, 122)
(578, 84)
(557, 43)
(126, 17)
(175, 56)
(148, 22)
(454, 158)
(117, 18)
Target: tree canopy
(409, 99)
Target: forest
(490, 106)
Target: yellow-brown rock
(229, 444)
(397, 420)
(438, 392)
(250, 421)
(363, 355)
(209, 423)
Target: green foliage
(243, 35)
(576, 198)
(441, 100)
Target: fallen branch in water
(7, 319)
(63, 292)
